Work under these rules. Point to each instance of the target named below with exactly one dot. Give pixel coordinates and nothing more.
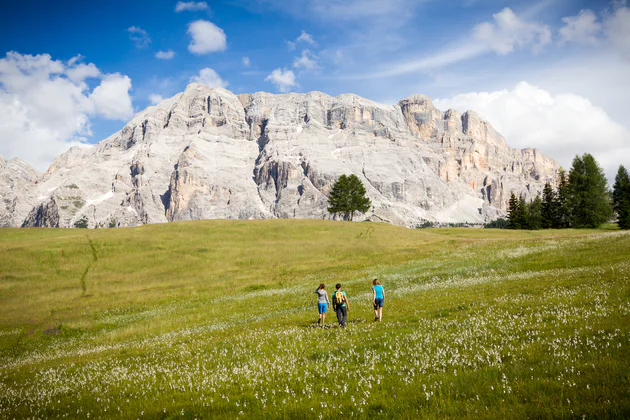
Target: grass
(218, 319)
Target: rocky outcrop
(207, 153)
(17, 191)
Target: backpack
(339, 299)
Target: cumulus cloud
(165, 55)
(283, 79)
(560, 125)
(617, 30)
(307, 61)
(46, 105)
(139, 37)
(111, 98)
(509, 31)
(246, 62)
(582, 28)
(155, 99)
(191, 6)
(206, 37)
(80, 72)
(209, 78)
(612, 30)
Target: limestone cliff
(207, 153)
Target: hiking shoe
(319, 321)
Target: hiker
(340, 305)
(378, 299)
(322, 303)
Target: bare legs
(378, 313)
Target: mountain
(207, 153)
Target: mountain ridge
(206, 153)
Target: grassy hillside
(217, 319)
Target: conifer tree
(521, 213)
(348, 196)
(513, 213)
(534, 214)
(589, 199)
(621, 198)
(563, 214)
(548, 211)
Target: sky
(550, 74)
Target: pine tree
(521, 213)
(589, 199)
(358, 199)
(548, 211)
(621, 198)
(534, 214)
(563, 214)
(513, 213)
(348, 196)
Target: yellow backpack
(339, 298)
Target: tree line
(581, 199)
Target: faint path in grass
(85, 272)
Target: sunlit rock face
(207, 154)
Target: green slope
(216, 319)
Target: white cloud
(165, 55)
(209, 78)
(560, 125)
(306, 38)
(440, 59)
(46, 106)
(246, 62)
(111, 98)
(307, 61)
(206, 37)
(283, 79)
(81, 72)
(155, 98)
(191, 6)
(582, 28)
(617, 29)
(508, 31)
(139, 37)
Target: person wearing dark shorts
(340, 305)
(378, 299)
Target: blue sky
(547, 74)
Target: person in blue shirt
(378, 300)
(340, 305)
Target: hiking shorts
(322, 307)
(378, 303)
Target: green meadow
(217, 319)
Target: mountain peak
(207, 153)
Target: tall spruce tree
(589, 199)
(563, 213)
(548, 211)
(534, 214)
(513, 213)
(348, 196)
(621, 198)
(521, 213)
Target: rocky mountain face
(17, 192)
(207, 154)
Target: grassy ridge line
(469, 319)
